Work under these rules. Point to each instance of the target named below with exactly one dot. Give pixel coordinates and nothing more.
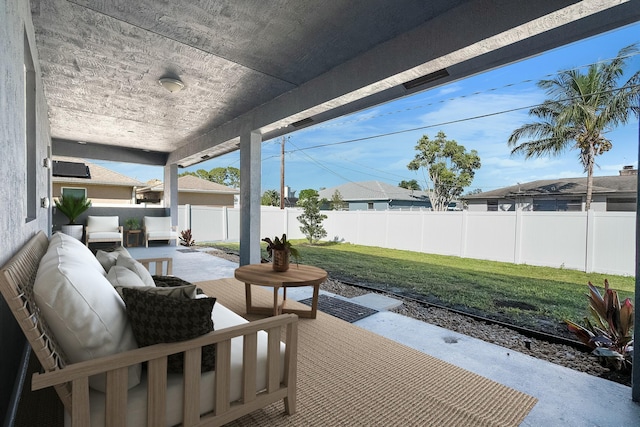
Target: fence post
(424, 219)
(285, 218)
(187, 216)
(517, 241)
(225, 223)
(463, 234)
(589, 241)
(386, 228)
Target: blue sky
(454, 109)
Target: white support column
(171, 191)
(250, 171)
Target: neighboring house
(77, 177)
(375, 195)
(191, 191)
(610, 193)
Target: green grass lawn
(483, 287)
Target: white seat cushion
(84, 312)
(137, 396)
(166, 234)
(112, 235)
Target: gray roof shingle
(99, 175)
(193, 184)
(372, 190)
(562, 186)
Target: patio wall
(25, 139)
(589, 241)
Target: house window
(78, 193)
(492, 206)
(557, 205)
(370, 206)
(621, 204)
(544, 205)
(569, 205)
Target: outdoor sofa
(70, 310)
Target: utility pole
(282, 141)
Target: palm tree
(582, 108)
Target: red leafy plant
(610, 334)
(186, 239)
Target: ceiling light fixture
(171, 84)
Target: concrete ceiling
(270, 66)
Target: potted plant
(279, 250)
(132, 224)
(72, 208)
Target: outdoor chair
(158, 228)
(103, 229)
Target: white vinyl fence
(589, 241)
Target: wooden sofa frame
(71, 381)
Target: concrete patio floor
(565, 397)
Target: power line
(481, 116)
(442, 101)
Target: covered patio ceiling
(269, 66)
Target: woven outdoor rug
(348, 376)
(341, 309)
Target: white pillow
(108, 259)
(84, 312)
(119, 275)
(121, 250)
(137, 268)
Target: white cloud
(450, 88)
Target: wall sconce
(44, 202)
(46, 163)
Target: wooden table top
(296, 275)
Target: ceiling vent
(427, 78)
(302, 122)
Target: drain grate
(341, 309)
(186, 251)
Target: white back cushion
(102, 223)
(157, 223)
(82, 309)
(80, 251)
